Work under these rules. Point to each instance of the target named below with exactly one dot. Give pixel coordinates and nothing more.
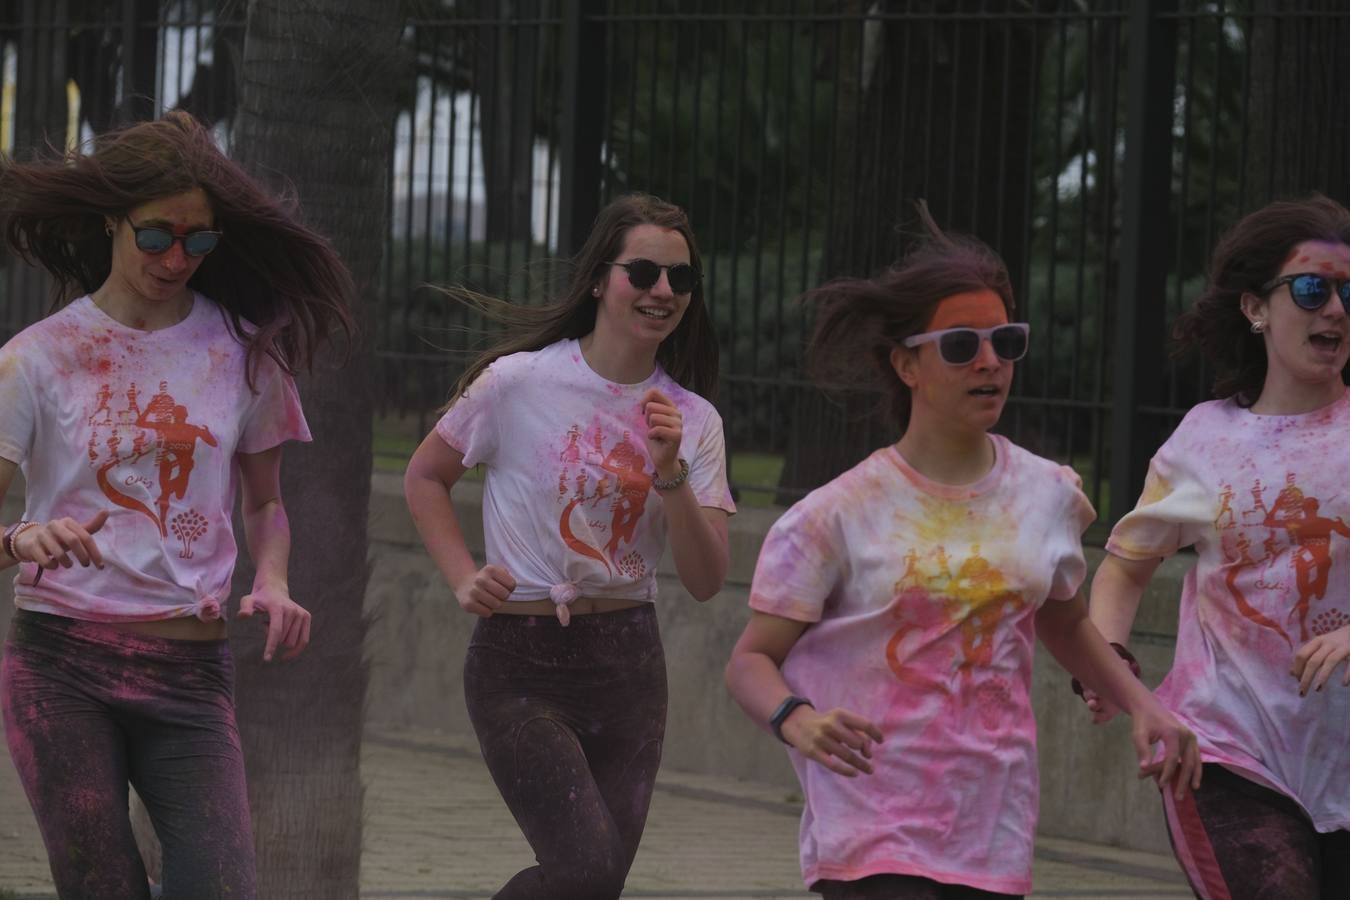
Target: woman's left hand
(287, 621)
(1180, 761)
(665, 428)
(1316, 660)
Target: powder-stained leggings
(570, 721)
(1238, 840)
(902, 887)
(87, 709)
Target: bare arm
(7, 470)
(698, 535)
(267, 531)
(1068, 633)
(698, 541)
(51, 544)
(432, 472)
(1117, 589)
(838, 739)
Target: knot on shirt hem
(561, 595)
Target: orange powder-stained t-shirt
(1265, 502)
(144, 425)
(921, 599)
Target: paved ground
(435, 828)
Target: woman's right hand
(485, 591)
(839, 740)
(52, 544)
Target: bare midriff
(188, 628)
(579, 607)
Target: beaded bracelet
(673, 483)
(12, 534)
(1124, 654)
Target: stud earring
(595, 292)
(107, 229)
(1258, 326)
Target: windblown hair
(689, 355)
(860, 320)
(1246, 258)
(269, 270)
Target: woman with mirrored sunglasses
(594, 424)
(893, 611)
(187, 297)
(1255, 482)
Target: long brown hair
(689, 355)
(269, 269)
(860, 320)
(1247, 257)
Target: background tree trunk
(505, 77)
(1299, 121)
(938, 110)
(317, 104)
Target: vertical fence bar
(1146, 189)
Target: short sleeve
(18, 417)
(708, 468)
(798, 566)
(470, 425)
(1078, 514)
(1164, 519)
(275, 415)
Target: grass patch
(755, 477)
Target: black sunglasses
(643, 275)
(153, 239)
(1311, 291)
(960, 346)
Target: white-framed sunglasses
(960, 346)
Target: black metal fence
(1100, 147)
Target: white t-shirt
(144, 425)
(922, 599)
(1265, 501)
(568, 506)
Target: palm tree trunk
(317, 104)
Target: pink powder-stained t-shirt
(568, 503)
(922, 600)
(1265, 501)
(145, 426)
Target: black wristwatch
(783, 711)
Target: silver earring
(108, 230)
(1258, 326)
(595, 292)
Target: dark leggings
(89, 708)
(1238, 840)
(570, 721)
(902, 887)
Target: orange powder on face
(972, 309)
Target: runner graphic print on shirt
(621, 487)
(1295, 561)
(962, 610)
(143, 459)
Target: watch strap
(783, 711)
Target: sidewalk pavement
(436, 828)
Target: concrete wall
(418, 637)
